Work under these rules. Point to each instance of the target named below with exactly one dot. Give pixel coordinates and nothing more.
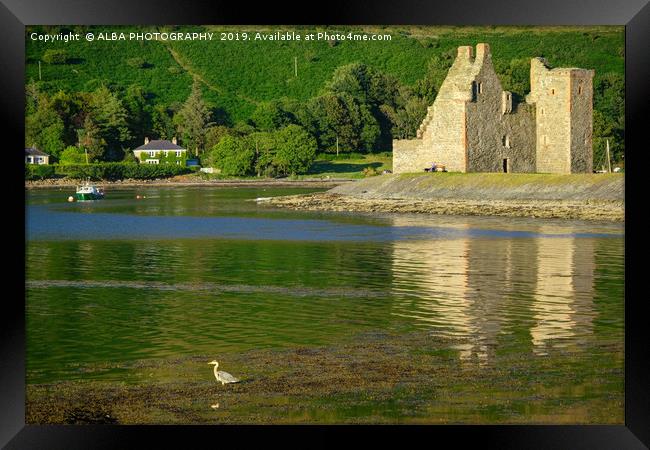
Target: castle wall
(475, 126)
(581, 121)
(446, 140)
(497, 130)
(519, 130)
(564, 101)
(443, 131)
(409, 155)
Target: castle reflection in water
(479, 290)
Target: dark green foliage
(234, 155)
(288, 151)
(120, 171)
(72, 155)
(192, 119)
(138, 62)
(380, 85)
(609, 117)
(44, 128)
(214, 134)
(293, 152)
(271, 116)
(55, 56)
(162, 124)
(38, 171)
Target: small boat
(89, 191)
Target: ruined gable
(476, 126)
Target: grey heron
(223, 377)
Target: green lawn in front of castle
(348, 166)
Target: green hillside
(237, 74)
(107, 95)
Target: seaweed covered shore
(376, 378)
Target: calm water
(195, 271)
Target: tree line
(359, 109)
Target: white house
(35, 156)
(160, 151)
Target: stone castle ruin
(474, 125)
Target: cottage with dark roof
(35, 156)
(161, 152)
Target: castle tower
(564, 117)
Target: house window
(178, 163)
(166, 152)
(152, 153)
(153, 161)
(179, 153)
(30, 160)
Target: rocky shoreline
(606, 210)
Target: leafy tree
(242, 129)
(107, 124)
(341, 121)
(192, 120)
(91, 140)
(271, 116)
(162, 124)
(265, 145)
(139, 117)
(295, 150)
(214, 134)
(44, 129)
(71, 109)
(72, 155)
(609, 116)
(235, 156)
(364, 91)
(408, 115)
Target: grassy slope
(237, 74)
(490, 186)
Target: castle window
(579, 90)
(480, 88)
(552, 91)
(474, 91)
(541, 111)
(506, 141)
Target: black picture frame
(16, 14)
